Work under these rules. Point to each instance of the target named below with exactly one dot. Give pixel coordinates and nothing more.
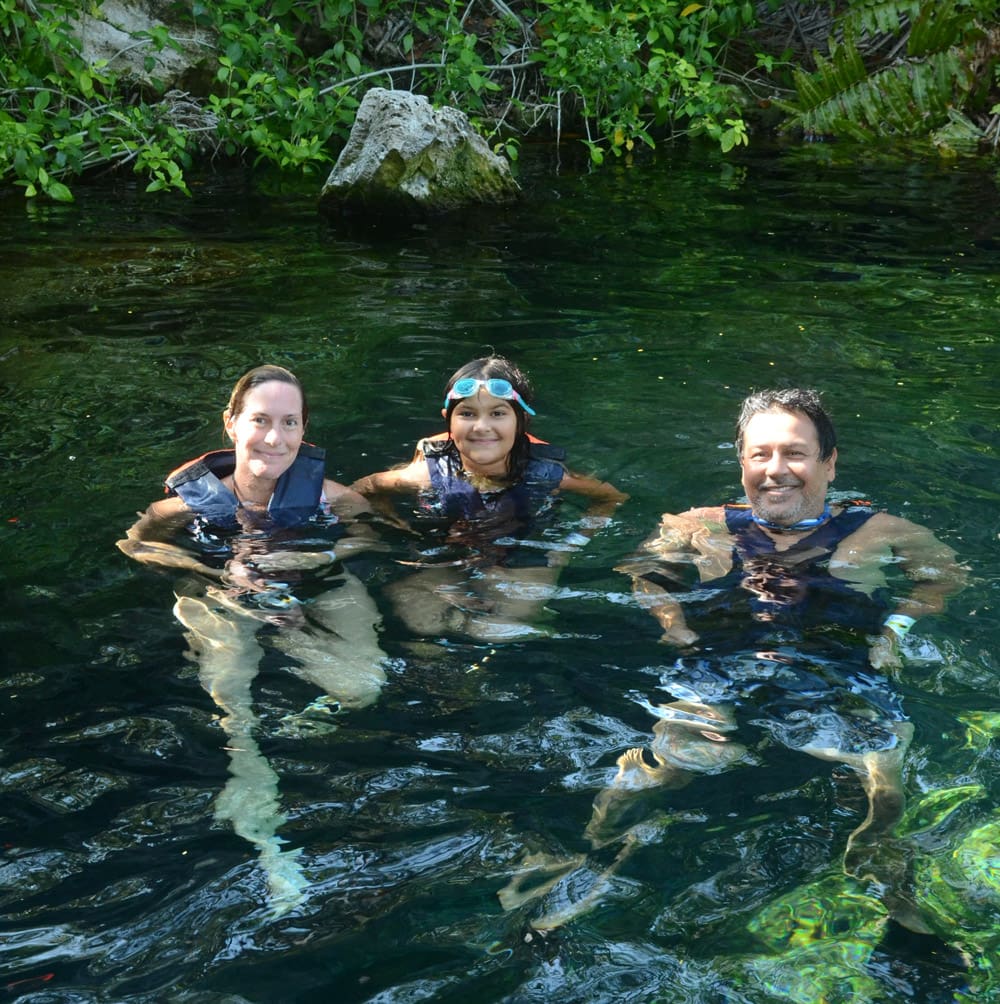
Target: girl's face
(268, 430)
(484, 429)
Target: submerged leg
(536, 875)
(339, 652)
(225, 644)
(688, 738)
(494, 605)
(881, 775)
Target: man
(781, 609)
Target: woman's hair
(499, 368)
(257, 376)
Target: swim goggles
(498, 388)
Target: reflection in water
(648, 299)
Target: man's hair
(792, 399)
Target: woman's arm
(348, 505)
(151, 539)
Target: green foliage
(921, 93)
(639, 68)
(60, 116)
(289, 75)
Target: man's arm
(932, 569)
(684, 539)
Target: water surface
(645, 301)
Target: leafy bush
(939, 54)
(289, 75)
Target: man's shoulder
(885, 524)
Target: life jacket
(459, 499)
(752, 541)
(296, 497)
(795, 585)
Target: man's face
(783, 476)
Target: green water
(645, 302)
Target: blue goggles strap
(496, 386)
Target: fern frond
(841, 71)
(878, 17)
(937, 27)
(910, 98)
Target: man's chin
(781, 517)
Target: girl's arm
(400, 479)
(378, 487)
(605, 498)
(345, 502)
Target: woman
(483, 485)
(231, 518)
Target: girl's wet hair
(257, 376)
(499, 368)
(793, 399)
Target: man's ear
(832, 464)
(227, 424)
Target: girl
(230, 519)
(485, 481)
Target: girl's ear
(444, 412)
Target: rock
(404, 155)
(116, 36)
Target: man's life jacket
(752, 541)
(795, 585)
(296, 497)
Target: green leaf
(58, 191)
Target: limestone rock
(404, 155)
(116, 36)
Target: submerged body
(482, 491)
(789, 605)
(786, 618)
(252, 526)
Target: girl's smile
(484, 429)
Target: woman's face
(268, 430)
(484, 429)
